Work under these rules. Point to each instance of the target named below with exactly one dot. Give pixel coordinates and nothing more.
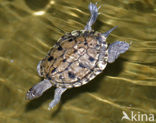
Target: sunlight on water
(30, 28)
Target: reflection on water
(29, 29)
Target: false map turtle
(76, 58)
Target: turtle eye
(38, 89)
(30, 94)
(34, 92)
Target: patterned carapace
(74, 60)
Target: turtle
(76, 59)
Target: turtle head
(30, 94)
(38, 89)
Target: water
(30, 28)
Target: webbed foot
(115, 49)
(94, 13)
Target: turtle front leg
(39, 69)
(115, 49)
(94, 13)
(57, 96)
(38, 89)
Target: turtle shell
(75, 59)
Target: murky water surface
(29, 28)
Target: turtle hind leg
(57, 96)
(94, 13)
(115, 49)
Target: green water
(29, 28)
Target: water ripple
(29, 29)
